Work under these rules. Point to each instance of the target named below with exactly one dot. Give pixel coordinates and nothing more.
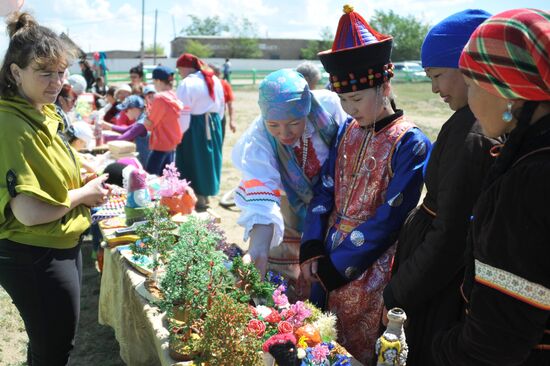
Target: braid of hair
(510, 149)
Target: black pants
(44, 285)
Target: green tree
(244, 42)
(408, 33)
(150, 49)
(316, 46)
(209, 26)
(198, 49)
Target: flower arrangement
(170, 184)
(220, 310)
(176, 193)
(298, 332)
(326, 354)
(225, 334)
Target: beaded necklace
(304, 153)
(358, 170)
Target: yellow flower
(302, 342)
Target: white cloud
(83, 9)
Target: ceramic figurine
(391, 347)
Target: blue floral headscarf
(285, 94)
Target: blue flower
(276, 279)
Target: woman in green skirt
(199, 155)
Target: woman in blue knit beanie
(429, 264)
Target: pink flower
(278, 339)
(287, 314)
(256, 327)
(320, 353)
(171, 185)
(279, 298)
(253, 311)
(285, 327)
(301, 313)
(274, 317)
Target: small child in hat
(134, 107)
(163, 121)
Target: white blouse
(258, 194)
(193, 93)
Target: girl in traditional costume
(429, 263)
(507, 283)
(370, 182)
(283, 151)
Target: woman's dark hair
(30, 42)
(85, 63)
(111, 91)
(70, 135)
(66, 92)
(137, 70)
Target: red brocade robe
(372, 179)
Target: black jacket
(456, 169)
(507, 280)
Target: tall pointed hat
(360, 56)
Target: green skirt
(199, 155)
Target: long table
(140, 327)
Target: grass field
(95, 344)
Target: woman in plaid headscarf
(506, 66)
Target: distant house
(272, 48)
(119, 54)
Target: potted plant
(175, 193)
(156, 238)
(226, 336)
(195, 273)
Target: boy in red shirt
(163, 121)
(228, 97)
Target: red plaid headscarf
(189, 60)
(508, 55)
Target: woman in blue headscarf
(280, 158)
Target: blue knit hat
(163, 73)
(133, 101)
(444, 42)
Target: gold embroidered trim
(513, 285)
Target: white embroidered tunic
(259, 192)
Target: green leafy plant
(249, 281)
(195, 272)
(157, 237)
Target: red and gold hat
(360, 56)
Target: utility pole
(142, 53)
(155, 40)
(174, 26)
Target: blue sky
(105, 25)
